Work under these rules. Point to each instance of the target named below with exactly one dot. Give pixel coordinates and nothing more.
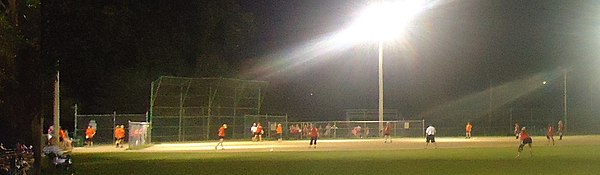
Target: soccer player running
(386, 132)
(314, 134)
(550, 134)
(430, 131)
(221, 135)
(468, 130)
(525, 140)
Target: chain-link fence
(194, 128)
(105, 125)
(354, 129)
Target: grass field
(490, 155)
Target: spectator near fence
(295, 130)
(279, 132)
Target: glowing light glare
(384, 21)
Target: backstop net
(190, 109)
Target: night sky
(449, 51)
(452, 50)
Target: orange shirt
(90, 132)
(279, 130)
(62, 133)
(222, 132)
(259, 129)
(469, 127)
(119, 133)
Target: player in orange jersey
(119, 135)
(468, 130)
(279, 132)
(221, 135)
(89, 135)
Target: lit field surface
(479, 155)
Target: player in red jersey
(550, 134)
(525, 140)
(221, 135)
(314, 134)
(386, 132)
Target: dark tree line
(108, 52)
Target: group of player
(258, 131)
(90, 132)
(525, 139)
(520, 133)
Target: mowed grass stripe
(573, 159)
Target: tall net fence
(354, 129)
(189, 109)
(501, 121)
(104, 124)
(194, 128)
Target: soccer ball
(271, 150)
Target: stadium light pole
(383, 21)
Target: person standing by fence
(314, 134)
(279, 132)
(386, 132)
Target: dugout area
(191, 109)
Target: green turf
(583, 159)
